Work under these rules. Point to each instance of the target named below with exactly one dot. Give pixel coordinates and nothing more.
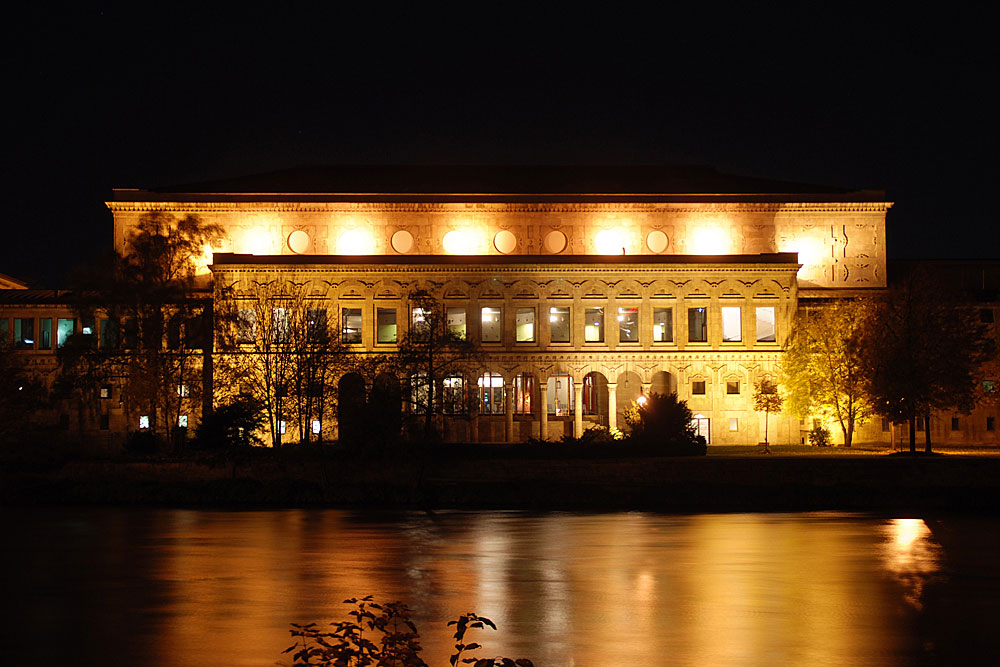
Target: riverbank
(863, 481)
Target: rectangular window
(144, 421)
(88, 327)
(697, 325)
(954, 424)
(352, 325)
(525, 331)
(315, 427)
(183, 391)
(182, 421)
(491, 394)
(45, 333)
(282, 426)
(24, 333)
(453, 395)
(65, 327)
(282, 321)
(920, 423)
(698, 388)
(734, 424)
(105, 422)
(456, 323)
(492, 325)
(246, 325)
(990, 424)
(732, 324)
(628, 325)
(885, 424)
(4, 332)
(385, 325)
(109, 334)
(663, 325)
(732, 387)
(316, 331)
(986, 315)
(559, 324)
(420, 325)
(593, 325)
(561, 399)
(765, 324)
(105, 391)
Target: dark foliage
(663, 425)
(232, 425)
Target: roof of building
(224, 258)
(501, 181)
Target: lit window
(183, 391)
(45, 333)
(525, 330)
(734, 424)
(24, 333)
(732, 387)
(282, 325)
(144, 422)
(561, 399)
(559, 325)
(64, 329)
(105, 391)
(315, 427)
(524, 394)
(698, 325)
(420, 394)
(765, 324)
(663, 325)
(698, 388)
(182, 421)
(593, 325)
(491, 394)
(456, 323)
(732, 324)
(352, 325)
(282, 426)
(492, 327)
(420, 325)
(628, 325)
(246, 325)
(453, 395)
(385, 324)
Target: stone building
(585, 287)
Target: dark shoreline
(696, 484)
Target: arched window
(491, 394)
(560, 398)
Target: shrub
(819, 437)
(141, 442)
(663, 424)
(233, 425)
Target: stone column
(577, 409)
(543, 416)
(508, 410)
(612, 405)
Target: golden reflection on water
(912, 556)
(565, 589)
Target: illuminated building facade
(584, 287)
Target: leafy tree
(924, 351)
(235, 424)
(824, 365)
(663, 421)
(428, 354)
(278, 349)
(766, 399)
(155, 339)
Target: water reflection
(205, 588)
(912, 556)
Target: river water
(194, 587)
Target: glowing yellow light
(641, 400)
(810, 250)
(257, 241)
(356, 242)
(710, 241)
(202, 261)
(611, 242)
(464, 242)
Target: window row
(454, 322)
(37, 333)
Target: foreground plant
(392, 639)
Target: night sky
(843, 96)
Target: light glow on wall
(811, 251)
(356, 242)
(464, 241)
(257, 241)
(710, 241)
(614, 241)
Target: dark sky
(842, 96)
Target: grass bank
(790, 479)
